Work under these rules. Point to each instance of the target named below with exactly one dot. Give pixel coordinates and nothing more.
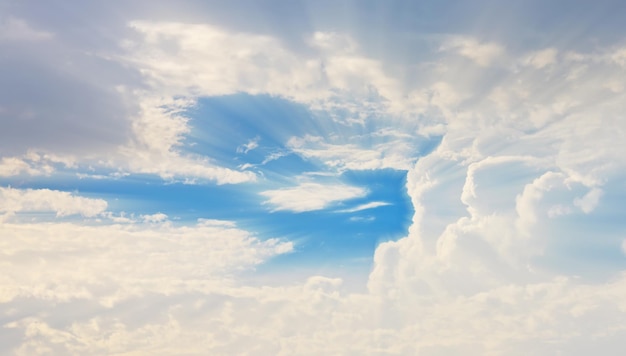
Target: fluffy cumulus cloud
(14, 166)
(515, 170)
(98, 271)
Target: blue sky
(312, 177)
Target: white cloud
(211, 61)
(366, 206)
(110, 263)
(590, 201)
(159, 131)
(482, 53)
(332, 42)
(362, 218)
(45, 200)
(310, 196)
(559, 210)
(274, 156)
(541, 59)
(13, 166)
(516, 150)
(394, 154)
(33, 164)
(154, 218)
(173, 167)
(249, 146)
(535, 318)
(619, 56)
(525, 203)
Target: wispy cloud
(249, 146)
(347, 156)
(366, 206)
(482, 53)
(310, 196)
(362, 218)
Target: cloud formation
(45, 200)
(366, 206)
(310, 196)
(110, 263)
(515, 168)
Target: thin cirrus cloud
(511, 140)
(249, 146)
(366, 206)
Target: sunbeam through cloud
(312, 177)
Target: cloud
(510, 150)
(251, 63)
(56, 98)
(34, 163)
(14, 29)
(274, 156)
(133, 124)
(252, 144)
(167, 80)
(482, 53)
(310, 196)
(362, 218)
(154, 218)
(171, 166)
(159, 132)
(332, 42)
(109, 263)
(525, 203)
(483, 268)
(366, 206)
(590, 201)
(45, 200)
(13, 166)
(390, 154)
(233, 320)
(543, 58)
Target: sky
(312, 177)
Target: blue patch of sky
(220, 126)
(329, 236)
(325, 236)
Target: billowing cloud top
(364, 178)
